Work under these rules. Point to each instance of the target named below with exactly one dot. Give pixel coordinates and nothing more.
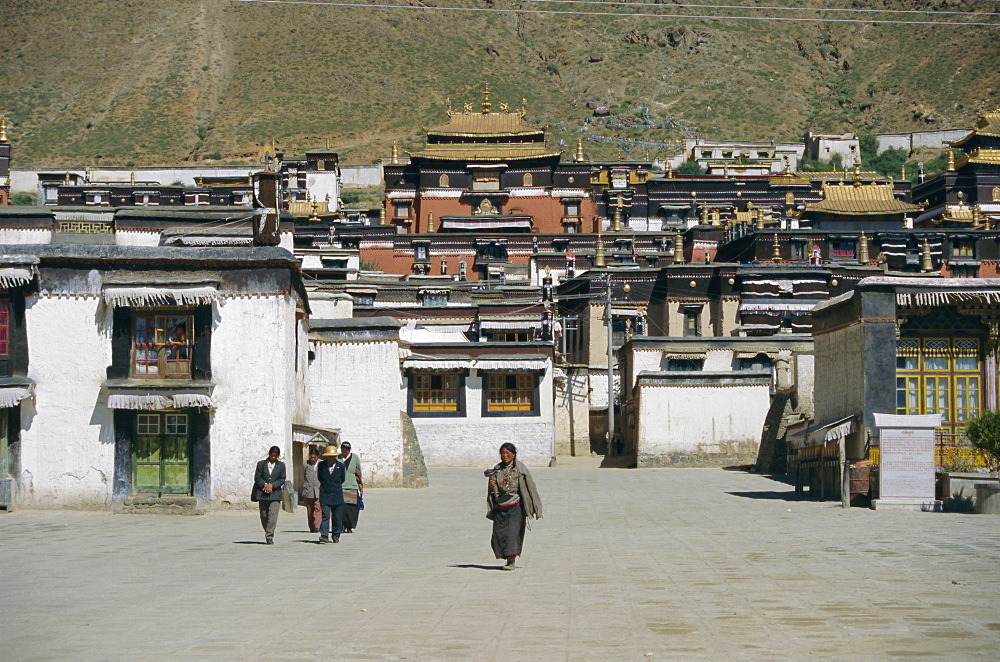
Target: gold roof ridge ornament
(3, 128)
(578, 157)
(394, 159)
(951, 160)
(486, 101)
(857, 170)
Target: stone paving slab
(626, 564)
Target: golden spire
(678, 248)
(486, 101)
(395, 154)
(524, 107)
(776, 252)
(618, 212)
(863, 248)
(314, 217)
(857, 171)
(448, 111)
(788, 166)
(430, 221)
(902, 172)
(3, 128)
(579, 151)
(599, 248)
(951, 160)
(926, 265)
(670, 171)
(381, 217)
(131, 178)
(67, 177)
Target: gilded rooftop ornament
(3, 128)
(486, 101)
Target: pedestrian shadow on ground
(782, 496)
(477, 566)
(249, 542)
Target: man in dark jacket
(268, 480)
(330, 472)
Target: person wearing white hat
(330, 472)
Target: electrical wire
(686, 5)
(720, 17)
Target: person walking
(268, 481)
(310, 490)
(511, 499)
(353, 487)
(330, 472)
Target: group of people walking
(332, 489)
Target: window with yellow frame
(436, 393)
(939, 376)
(511, 393)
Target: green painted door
(161, 454)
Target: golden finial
(486, 101)
(776, 252)
(131, 178)
(863, 248)
(678, 248)
(951, 160)
(618, 217)
(3, 128)
(599, 248)
(314, 217)
(670, 171)
(67, 177)
(250, 178)
(758, 215)
(788, 166)
(704, 215)
(902, 172)
(524, 107)
(504, 108)
(381, 217)
(857, 171)
(328, 144)
(578, 157)
(395, 154)
(925, 257)
(430, 221)
(448, 110)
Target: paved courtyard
(626, 564)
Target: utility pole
(609, 321)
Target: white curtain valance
(16, 276)
(513, 364)
(153, 296)
(775, 305)
(11, 396)
(442, 364)
(207, 240)
(510, 324)
(931, 298)
(838, 431)
(148, 402)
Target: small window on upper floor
(692, 321)
(162, 344)
(685, 365)
(434, 298)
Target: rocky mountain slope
(142, 82)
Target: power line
(718, 17)
(766, 7)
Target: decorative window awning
(943, 298)
(423, 362)
(157, 401)
(13, 394)
(487, 223)
(159, 295)
(16, 276)
(767, 306)
(753, 355)
(524, 362)
(512, 324)
(693, 355)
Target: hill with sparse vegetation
(152, 82)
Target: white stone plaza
(659, 563)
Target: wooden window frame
(491, 410)
(418, 410)
(167, 353)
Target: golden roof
(826, 175)
(469, 135)
(860, 199)
(985, 156)
(988, 125)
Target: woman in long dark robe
(512, 499)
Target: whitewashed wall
(67, 442)
(136, 238)
(354, 386)
(12, 236)
(672, 419)
(253, 367)
(474, 440)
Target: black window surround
(121, 342)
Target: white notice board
(906, 463)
